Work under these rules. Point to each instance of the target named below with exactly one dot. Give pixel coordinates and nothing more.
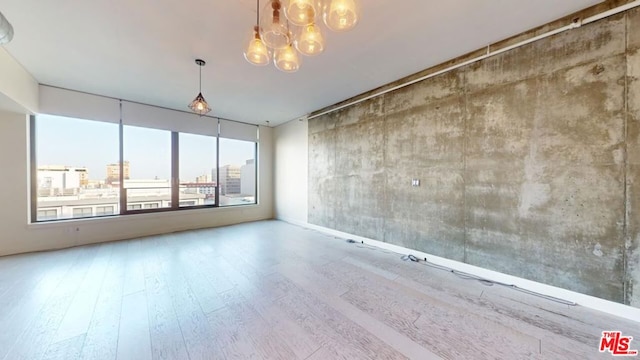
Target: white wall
(291, 171)
(17, 235)
(18, 89)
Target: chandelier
(289, 27)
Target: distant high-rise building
(206, 178)
(113, 172)
(229, 179)
(84, 176)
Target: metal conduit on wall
(575, 24)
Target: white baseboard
(592, 302)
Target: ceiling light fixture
(287, 59)
(300, 12)
(273, 26)
(275, 32)
(310, 40)
(257, 52)
(341, 15)
(199, 104)
(6, 30)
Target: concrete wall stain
(529, 163)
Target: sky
(94, 144)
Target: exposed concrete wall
(632, 243)
(528, 161)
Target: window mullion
(123, 192)
(175, 170)
(217, 189)
(33, 169)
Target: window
(237, 172)
(70, 168)
(148, 159)
(117, 157)
(82, 212)
(105, 210)
(197, 170)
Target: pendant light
(300, 12)
(199, 104)
(257, 52)
(287, 59)
(310, 41)
(341, 15)
(6, 30)
(273, 26)
(273, 34)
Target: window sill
(186, 212)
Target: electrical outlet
(415, 182)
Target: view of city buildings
(65, 191)
(113, 172)
(61, 180)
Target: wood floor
(270, 290)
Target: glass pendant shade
(287, 59)
(6, 30)
(310, 41)
(300, 12)
(256, 52)
(273, 26)
(199, 105)
(341, 15)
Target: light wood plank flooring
(270, 290)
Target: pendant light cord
(258, 14)
(201, 79)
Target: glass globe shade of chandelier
(257, 52)
(287, 59)
(310, 40)
(6, 30)
(300, 12)
(274, 30)
(341, 15)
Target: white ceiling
(144, 50)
